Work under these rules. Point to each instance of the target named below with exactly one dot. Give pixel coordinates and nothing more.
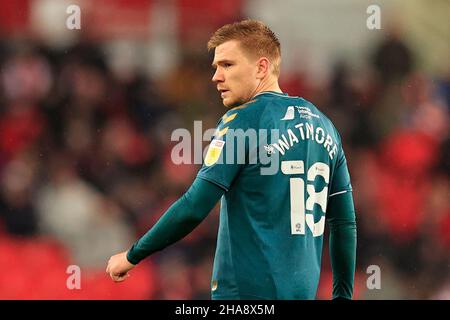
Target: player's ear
(263, 65)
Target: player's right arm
(212, 181)
(179, 220)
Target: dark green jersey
(272, 222)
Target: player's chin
(230, 103)
(227, 102)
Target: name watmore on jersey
(306, 131)
(253, 130)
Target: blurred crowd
(85, 169)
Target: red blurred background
(86, 117)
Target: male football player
(270, 238)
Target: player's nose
(218, 76)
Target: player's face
(235, 75)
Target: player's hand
(118, 267)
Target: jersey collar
(271, 93)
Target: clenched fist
(118, 267)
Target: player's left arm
(341, 219)
(342, 243)
(212, 181)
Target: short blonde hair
(255, 38)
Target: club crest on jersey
(214, 151)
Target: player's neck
(271, 85)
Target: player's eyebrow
(215, 63)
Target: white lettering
(328, 143)
(300, 128)
(292, 137)
(309, 131)
(322, 137)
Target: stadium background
(86, 117)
